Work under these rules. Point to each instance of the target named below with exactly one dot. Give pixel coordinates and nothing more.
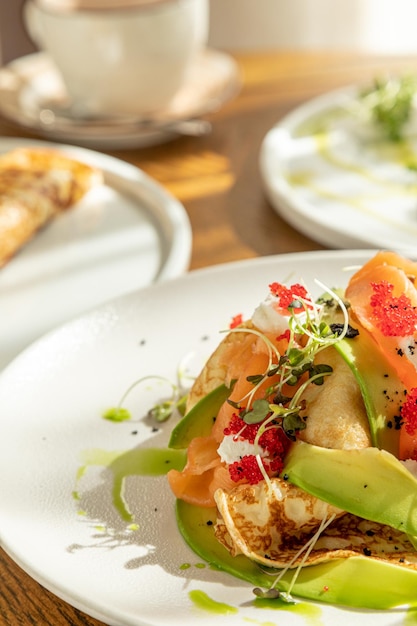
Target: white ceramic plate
(334, 180)
(124, 235)
(30, 86)
(54, 442)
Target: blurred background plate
(126, 234)
(337, 181)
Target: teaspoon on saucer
(50, 115)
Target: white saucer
(28, 84)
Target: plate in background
(331, 176)
(125, 234)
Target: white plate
(51, 401)
(338, 183)
(30, 85)
(124, 235)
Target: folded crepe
(35, 186)
(273, 522)
(273, 532)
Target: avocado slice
(198, 422)
(380, 388)
(358, 582)
(370, 483)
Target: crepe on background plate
(35, 186)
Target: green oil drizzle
(319, 123)
(410, 618)
(359, 203)
(401, 153)
(117, 414)
(136, 462)
(249, 620)
(310, 612)
(203, 601)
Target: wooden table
(217, 179)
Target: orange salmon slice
(392, 323)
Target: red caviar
(237, 320)
(247, 469)
(273, 441)
(409, 412)
(285, 335)
(288, 295)
(395, 316)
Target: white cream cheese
(233, 449)
(269, 319)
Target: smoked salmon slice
(204, 472)
(383, 298)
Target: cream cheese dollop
(233, 448)
(268, 317)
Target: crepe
(336, 413)
(271, 522)
(260, 513)
(253, 522)
(36, 185)
(217, 370)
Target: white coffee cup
(119, 57)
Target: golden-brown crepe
(295, 429)
(254, 522)
(270, 522)
(35, 186)
(217, 369)
(336, 413)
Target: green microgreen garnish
(389, 102)
(160, 412)
(270, 594)
(273, 592)
(258, 413)
(163, 411)
(308, 335)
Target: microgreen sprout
(306, 549)
(160, 412)
(295, 368)
(270, 594)
(388, 102)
